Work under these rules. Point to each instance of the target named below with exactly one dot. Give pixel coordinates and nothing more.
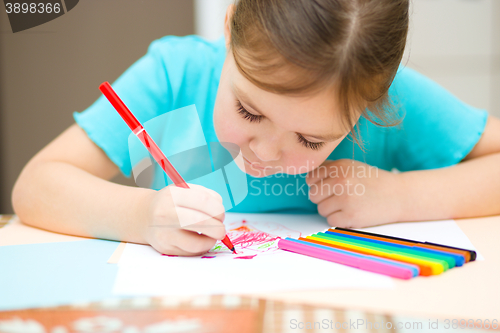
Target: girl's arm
(372, 196)
(468, 189)
(65, 188)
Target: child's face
(276, 133)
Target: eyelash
(254, 118)
(247, 115)
(309, 144)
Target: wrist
(142, 217)
(403, 196)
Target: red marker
(148, 142)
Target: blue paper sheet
(52, 274)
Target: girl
(287, 84)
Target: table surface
(468, 292)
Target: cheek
(305, 160)
(227, 124)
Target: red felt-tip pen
(148, 142)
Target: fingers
(200, 202)
(319, 173)
(324, 188)
(192, 219)
(329, 206)
(172, 250)
(213, 193)
(204, 224)
(342, 168)
(192, 243)
(185, 243)
(196, 240)
(331, 209)
(338, 219)
(188, 216)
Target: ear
(227, 24)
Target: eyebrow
(326, 138)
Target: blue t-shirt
(438, 130)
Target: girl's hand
(184, 222)
(351, 194)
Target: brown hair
(355, 44)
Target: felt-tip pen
(148, 142)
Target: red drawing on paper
(253, 238)
(245, 257)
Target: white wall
(457, 44)
(454, 42)
(209, 17)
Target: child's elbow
(17, 197)
(20, 196)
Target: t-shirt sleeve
(145, 89)
(438, 129)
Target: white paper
(251, 234)
(144, 271)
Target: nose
(265, 149)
